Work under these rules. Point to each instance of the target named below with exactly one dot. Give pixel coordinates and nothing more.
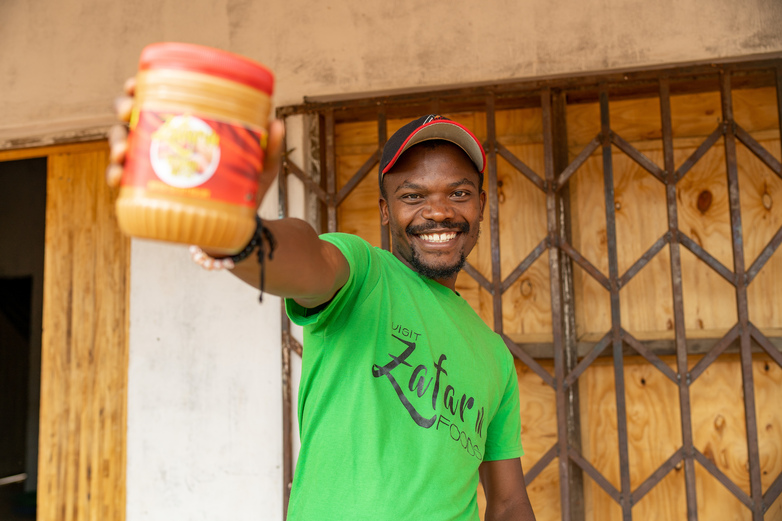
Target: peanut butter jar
(195, 147)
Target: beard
(433, 271)
(437, 272)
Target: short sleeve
(503, 438)
(363, 272)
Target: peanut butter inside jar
(195, 148)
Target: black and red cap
(428, 128)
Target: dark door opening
(22, 226)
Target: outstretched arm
(506, 492)
(303, 267)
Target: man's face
(434, 207)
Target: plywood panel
(654, 434)
(704, 216)
(693, 116)
(761, 213)
(84, 353)
(654, 430)
(538, 434)
(522, 218)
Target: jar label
(194, 157)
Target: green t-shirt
(404, 392)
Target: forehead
(432, 161)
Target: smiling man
(406, 396)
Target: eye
(411, 197)
(461, 194)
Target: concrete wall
(204, 400)
(62, 63)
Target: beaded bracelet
(256, 241)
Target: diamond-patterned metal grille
(552, 98)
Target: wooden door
(81, 469)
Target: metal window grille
(552, 98)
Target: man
(406, 396)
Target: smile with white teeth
(438, 237)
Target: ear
(482, 197)
(383, 211)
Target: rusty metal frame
(552, 96)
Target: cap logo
(432, 117)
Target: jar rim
(207, 60)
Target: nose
(438, 209)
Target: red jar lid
(207, 60)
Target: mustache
(418, 229)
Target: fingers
(113, 175)
(118, 147)
(118, 134)
(210, 263)
(130, 86)
(123, 107)
(118, 142)
(273, 156)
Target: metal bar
(540, 465)
(552, 226)
(357, 177)
(287, 415)
(764, 256)
(595, 475)
(734, 198)
(382, 137)
(710, 261)
(713, 353)
(575, 481)
(722, 478)
(295, 346)
(287, 406)
(778, 69)
(757, 149)
(331, 173)
(649, 356)
(772, 492)
(767, 346)
(685, 407)
(644, 260)
(309, 184)
(657, 475)
(616, 320)
(494, 214)
(478, 276)
(522, 167)
(634, 154)
(585, 264)
(527, 360)
(699, 152)
(584, 363)
(632, 78)
(588, 150)
(525, 264)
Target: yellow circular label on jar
(184, 151)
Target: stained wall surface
(204, 383)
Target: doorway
(22, 226)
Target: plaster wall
(204, 438)
(62, 63)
